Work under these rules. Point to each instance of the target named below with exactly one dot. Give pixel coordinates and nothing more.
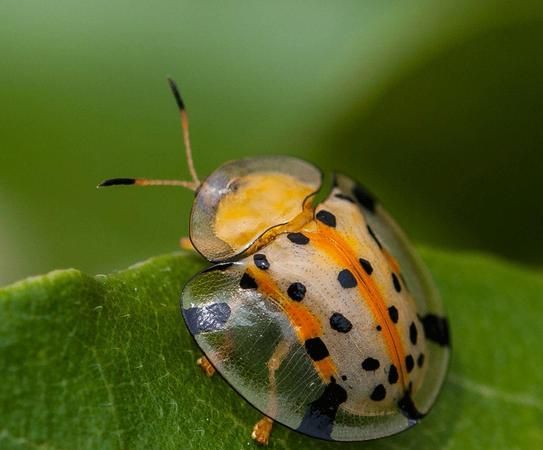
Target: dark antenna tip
(117, 182)
(176, 94)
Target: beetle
(319, 314)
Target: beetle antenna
(192, 185)
(185, 129)
(147, 182)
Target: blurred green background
(437, 106)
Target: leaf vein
(483, 390)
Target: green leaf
(106, 362)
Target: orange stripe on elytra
(330, 242)
(304, 322)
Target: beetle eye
(234, 185)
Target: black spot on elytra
(346, 279)
(370, 364)
(298, 238)
(261, 261)
(326, 218)
(393, 314)
(364, 197)
(320, 415)
(316, 349)
(413, 333)
(247, 282)
(379, 393)
(207, 318)
(378, 328)
(409, 363)
(436, 329)
(396, 283)
(393, 374)
(408, 409)
(344, 377)
(366, 265)
(374, 237)
(344, 197)
(340, 323)
(420, 360)
(296, 291)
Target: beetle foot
(206, 366)
(262, 430)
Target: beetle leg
(185, 243)
(262, 429)
(206, 366)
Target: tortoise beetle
(320, 315)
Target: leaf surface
(106, 362)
